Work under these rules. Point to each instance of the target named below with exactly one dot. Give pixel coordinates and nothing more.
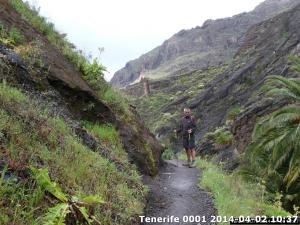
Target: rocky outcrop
(60, 67)
(243, 126)
(201, 47)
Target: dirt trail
(175, 192)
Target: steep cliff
(214, 43)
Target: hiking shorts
(189, 143)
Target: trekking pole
(189, 140)
(189, 146)
(176, 154)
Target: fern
(85, 215)
(69, 204)
(43, 180)
(92, 199)
(56, 215)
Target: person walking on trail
(187, 128)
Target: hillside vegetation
(72, 150)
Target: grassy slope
(92, 72)
(30, 137)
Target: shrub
(221, 136)
(224, 138)
(168, 154)
(233, 113)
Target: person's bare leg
(193, 157)
(188, 155)
(193, 154)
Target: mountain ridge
(215, 42)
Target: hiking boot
(186, 164)
(192, 164)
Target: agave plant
(69, 205)
(275, 149)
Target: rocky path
(175, 195)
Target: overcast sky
(128, 28)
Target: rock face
(201, 47)
(265, 51)
(63, 86)
(243, 126)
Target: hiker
(187, 128)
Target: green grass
(31, 54)
(33, 138)
(115, 100)
(11, 95)
(30, 137)
(11, 37)
(31, 14)
(105, 132)
(109, 137)
(19, 203)
(233, 196)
